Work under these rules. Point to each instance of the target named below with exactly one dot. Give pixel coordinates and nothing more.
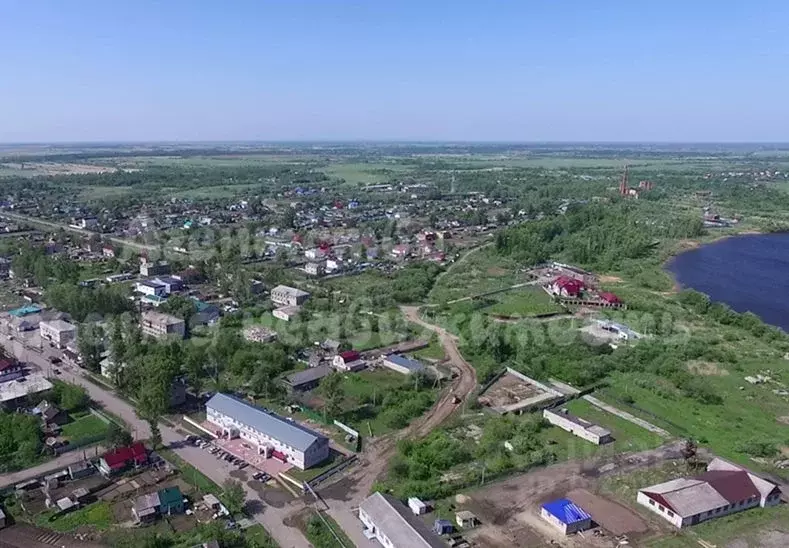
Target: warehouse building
(273, 435)
(578, 426)
(723, 489)
(403, 365)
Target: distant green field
(363, 173)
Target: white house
(315, 268)
(271, 434)
(391, 523)
(288, 296)
(286, 313)
(151, 287)
(58, 332)
(723, 489)
(349, 360)
(578, 426)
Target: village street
(271, 517)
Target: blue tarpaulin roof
(25, 310)
(566, 511)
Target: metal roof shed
(566, 516)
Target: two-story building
(272, 435)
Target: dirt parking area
(510, 509)
(613, 517)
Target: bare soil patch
(610, 279)
(707, 369)
(497, 271)
(783, 420)
(611, 516)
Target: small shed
(443, 527)
(566, 516)
(466, 519)
(417, 506)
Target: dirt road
(35, 221)
(344, 497)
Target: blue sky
(528, 70)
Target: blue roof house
(566, 516)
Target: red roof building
(118, 459)
(610, 298)
(10, 368)
(567, 287)
(350, 360)
(724, 489)
(350, 355)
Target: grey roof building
(275, 436)
(309, 379)
(394, 525)
(401, 364)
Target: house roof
(687, 497)
(570, 284)
(290, 291)
(408, 363)
(724, 483)
(610, 298)
(398, 523)
(170, 496)
(349, 355)
(145, 503)
(288, 432)
(566, 511)
(733, 485)
(118, 458)
(60, 326)
(309, 375)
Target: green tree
(90, 346)
(332, 392)
(234, 496)
(117, 436)
(71, 397)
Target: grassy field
(364, 173)
(315, 471)
(522, 303)
(627, 436)
(481, 271)
(320, 536)
(88, 426)
(756, 528)
(97, 516)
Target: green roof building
(171, 501)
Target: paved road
(58, 463)
(270, 516)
